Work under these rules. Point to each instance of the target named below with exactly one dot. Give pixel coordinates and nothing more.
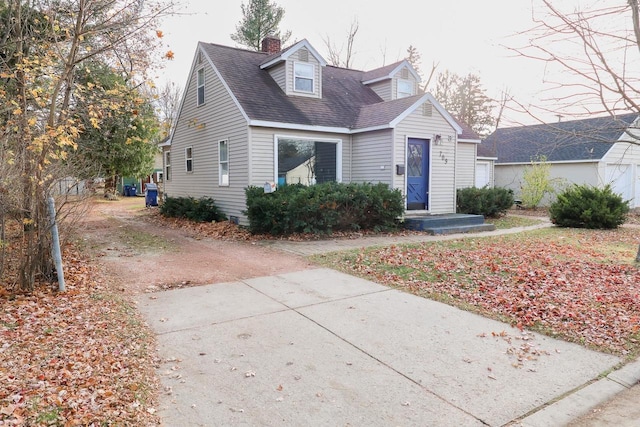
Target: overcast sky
(460, 35)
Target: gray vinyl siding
(263, 155)
(561, 174)
(383, 89)
(624, 153)
(465, 165)
(373, 157)
(201, 127)
(279, 74)
(442, 180)
(317, 88)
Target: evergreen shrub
(203, 209)
(583, 206)
(490, 202)
(323, 208)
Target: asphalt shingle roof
(379, 73)
(588, 139)
(467, 132)
(343, 94)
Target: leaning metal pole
(55, 250)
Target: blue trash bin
(126, 190)
(132, 191)
(151, 194)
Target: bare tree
(414, 58)
(591, 57)
(335, 54)
(39, 116)
(167, 102)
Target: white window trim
(198, 86)
(313, 77)
(221, 182)
(187, 158)
(167, 165)
(338, 143)
(413, 88)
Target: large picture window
(223, 162)
(304, 77)
(307, 161)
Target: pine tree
(465, 98)
(259, 19)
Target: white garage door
(620, 177)
(482, 174)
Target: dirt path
(139, 256)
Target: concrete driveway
(322, 348)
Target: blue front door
(418, 174)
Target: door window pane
(415, 160)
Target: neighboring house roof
(346, 103)
(575, 140)
(290, 163)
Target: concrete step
(460, 229)
(420, 223)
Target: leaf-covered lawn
(578, 284)
(78, 358)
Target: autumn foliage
(567, 283)
(81, 358)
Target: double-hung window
(167, 165)
(188, 159)
(201, 86)
(223, 162)
(405, 88)
(303, 77)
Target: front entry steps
(447, 223)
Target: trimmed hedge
(199, 210)
(490, 202)
(323, 208)
(582, 206)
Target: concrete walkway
(322, 348)
(318, 247)
(319, 347)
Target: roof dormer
(297, 70)
(394, 81)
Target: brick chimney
(271, 44)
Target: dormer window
(405, 88)
(303, 77)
